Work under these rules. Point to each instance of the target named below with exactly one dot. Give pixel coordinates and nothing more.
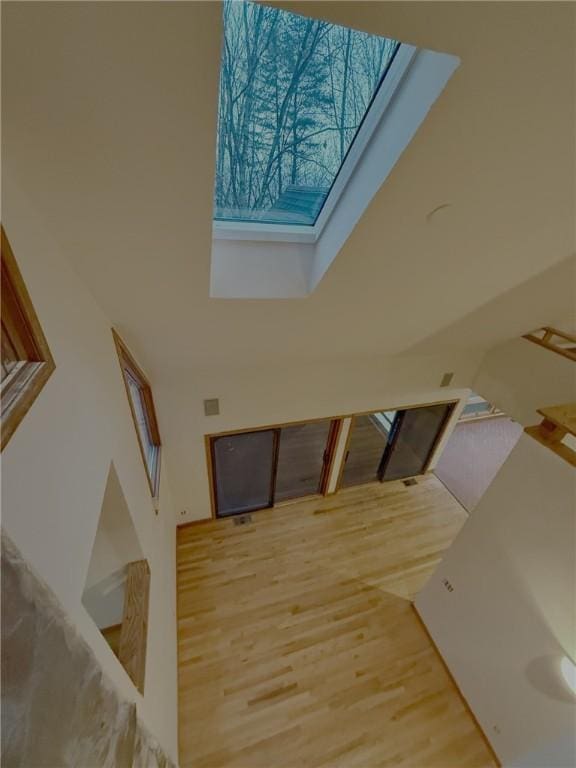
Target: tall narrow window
(143, 412)
(26, 360)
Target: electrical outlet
(184, 512)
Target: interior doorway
(257, 469)
(481, 442)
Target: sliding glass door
(254, 470)
(414, 437)
(390, 445)
(303, 459)
(244, 469)
(369, 437)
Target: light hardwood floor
(298, 644)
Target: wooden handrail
(547, 341)
(558, 422)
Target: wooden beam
(134, 631)
(558, 421)
(559, 449)
(547, 341)
(561, 417)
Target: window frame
(299, 233)
(130, 368)
(21, 328)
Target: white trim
(398, 68)
(275, 233)
(294, 233)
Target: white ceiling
(109, 116)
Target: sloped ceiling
(109, 113)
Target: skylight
(294, 92)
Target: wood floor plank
(298, 644)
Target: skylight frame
(298, 233)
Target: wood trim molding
(23, 385)
(127, 361)
(331, 446)
(467, 706)
(345, 453)
(211, 476)
(134, 628)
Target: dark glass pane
(418, 431)
(243, 467)
(301, 459)
(366, 447)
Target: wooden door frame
(329, 455)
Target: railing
(557, 341)
(557, 430)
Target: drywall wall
(521, 376)
(262, 396)
(56, 465)
(116, 542)
(105, 601)
(115, 545)
(511, 615)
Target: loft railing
(557, 430)
(557, 341)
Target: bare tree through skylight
(293, 93)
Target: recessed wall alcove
(118, 583)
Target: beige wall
(56, 465)
(116, 542)
(512, 613)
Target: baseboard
(461, 695)
(195, 522)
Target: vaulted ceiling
(109, 116)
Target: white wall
(116, 543)
(512, 613)
(105, 601)
(56, 464)
(261, 396)
(521, 376)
